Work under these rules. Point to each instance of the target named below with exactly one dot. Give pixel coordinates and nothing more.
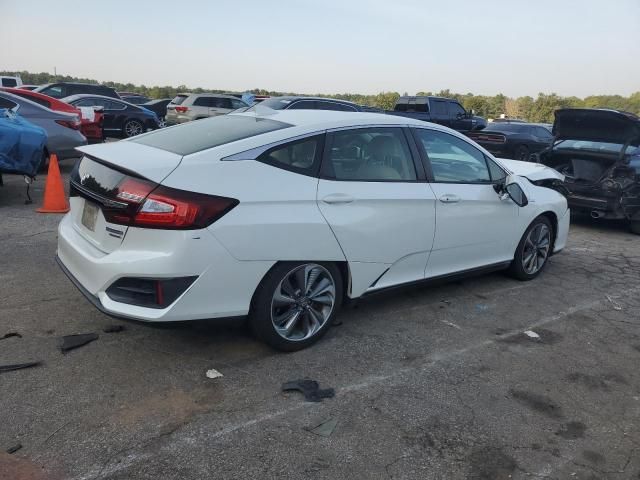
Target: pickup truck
(445, 111)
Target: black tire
(634, 226)
(517, 268)
(132, 125)
(522, 153)
(260, 316)
(44, 163)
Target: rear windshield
(179, 99)
(9, 82)
(196, 136)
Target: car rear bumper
(224, 286)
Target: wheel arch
(553, 218)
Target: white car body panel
(389, 234)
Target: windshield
(602, 147)
(194, 137)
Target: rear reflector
(149, 292)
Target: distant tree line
(538, 109)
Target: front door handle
(338, 198)
(449, 198)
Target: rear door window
(301, 156)
(202, 102)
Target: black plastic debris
(10, 334)
(14, 449)
(19, 366)
(113, 329)
(70, 342)
(310, 389)
(324, 429)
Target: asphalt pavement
(486, 378)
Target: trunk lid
(596, 125)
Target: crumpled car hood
(532, 171)
(596, 125)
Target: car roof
(79, 96)
(303, 97)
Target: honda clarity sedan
(279, 217)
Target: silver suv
(187, 107)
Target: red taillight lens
(151, 206)
(182, 109)
(73, 124)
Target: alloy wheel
(303, 302)
(536, 248)
(132, 128)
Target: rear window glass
(178, 99)
(194, 137)
(9, 82)
(35, 99)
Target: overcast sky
(332, 46)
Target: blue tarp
(21, 144)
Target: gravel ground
(435, 382)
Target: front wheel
(295, 304)
(533, 250)
(132, 128)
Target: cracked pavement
(431, 382)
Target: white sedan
(282, 216)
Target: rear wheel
(522, 153)
(132, 128)
(295, 304)
(533, 250)
(162, 122)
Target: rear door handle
(338, 198)
(449, 198)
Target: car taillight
(140, 203)
(73, 124)
(182, 109)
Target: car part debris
(451, 324)
(532, 334)
(616, 305)
(310, 389)
(113, 329)
(70, 342)
(325, 429)
(10, 334)
(213, 373)
(14, 449)
(19, 366)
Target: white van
(10, 81)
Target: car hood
(532, 171)
(596, 125)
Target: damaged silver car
(598, 152)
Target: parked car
(445, 111)
(63, 129)
(159, 107)
(6, 81)
(308, 103)
(66, 89)
(598, 152)
(200, 105)
(22, 143)
(90, 123)
(121, 119)
(193, 222)
(135, 99)
(516, 140)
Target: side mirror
(516, 194)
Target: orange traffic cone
(54, 199)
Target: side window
(302, 105)
(202, 102)
(55, 91)
(112, 105)
(452, 159)
(4, 103)
(341, 107)
(9, 82)
(370, 155)
(542, 132)
(455, 109)
(237, 104)
(300, 156)
(439, 108)
(496, 172)
(85, 102)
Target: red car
(90, 125)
